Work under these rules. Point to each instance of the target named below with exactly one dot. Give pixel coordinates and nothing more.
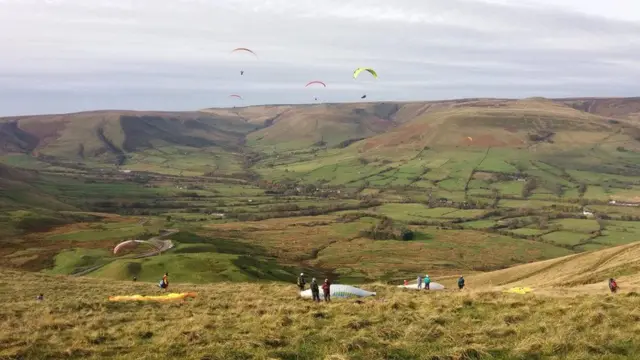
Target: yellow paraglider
(357, 72)
(519, 290)
(168, 297)
(470, 138)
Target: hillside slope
(582, 272)
(260, 321)
(109, 136)
(17, 192)
(500, 123)
(621, 108)
(300, 126)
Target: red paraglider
(316, 82)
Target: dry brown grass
(584, 271)
(269, 321)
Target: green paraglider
(357, 72)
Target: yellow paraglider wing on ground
(519, 290)
(167, 297)
(357, 72)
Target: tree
(582, 189)
(496, 197)
(529, 187)
(543, 222)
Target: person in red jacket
(326, 288)
(613, 285)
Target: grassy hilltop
(569, 315)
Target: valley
(361, 192)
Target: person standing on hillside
(326, 288)
(427, 281)
(301, 282)
(315, 290)
(461, 282)
(613, 285)
(165, 281)
(419, 282)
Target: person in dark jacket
(315, 290)
(164, 283)
(461, 282)
(326, 288)
(613, 285)
(301, 282)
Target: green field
(331, 189)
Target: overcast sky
(73, 55)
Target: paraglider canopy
(129, 244)
(236, 96)
(316, 82)
(245, 49)
(357, 72)
(341, 291)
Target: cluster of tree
(529, 186)
(352, 217)
(115, 206)
(347, 142)
(291, 188)
(542, 135)
(629, 218)
(386, 229)
(309, 211)
(251, 158)
(563, 208)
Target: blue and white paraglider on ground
(341, 292)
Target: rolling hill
(116, 137)
(112, 137)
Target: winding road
(159, 242)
